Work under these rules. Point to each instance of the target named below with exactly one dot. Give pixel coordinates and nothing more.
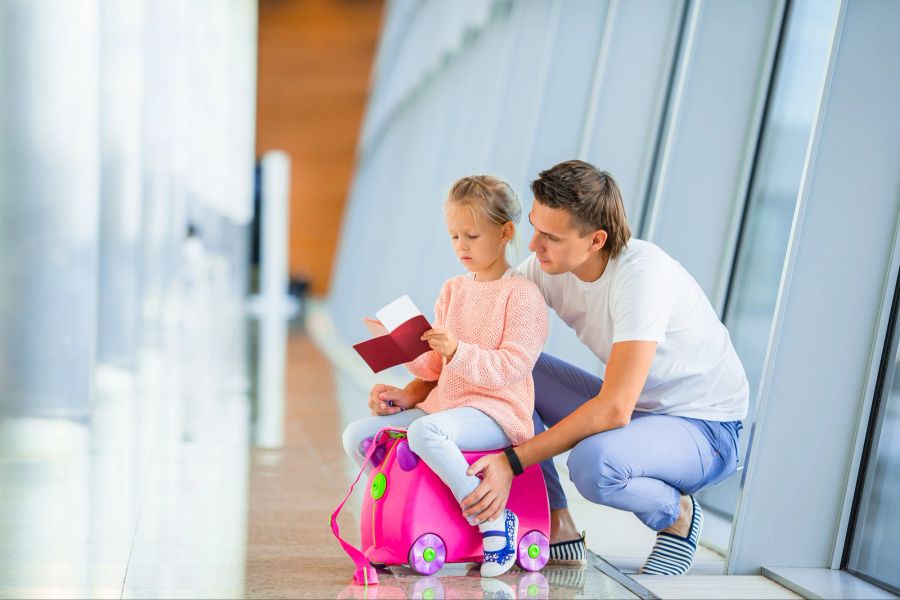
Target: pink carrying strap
(365, 573)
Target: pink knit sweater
(501, 326)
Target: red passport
(401, 325)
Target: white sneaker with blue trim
(498, 561)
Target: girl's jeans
(438, 438)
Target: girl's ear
(506, 233)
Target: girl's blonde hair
(491, 196)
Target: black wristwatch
(514, 461)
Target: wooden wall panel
(315, 61)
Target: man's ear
(598, 240)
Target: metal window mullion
(531, 130)
(751, 154)
(599, 76)
(646, 221)
(871, 416)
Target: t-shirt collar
(598, 283)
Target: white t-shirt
(646, 295)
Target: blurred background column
(49, 203)
(121, 93)
(274, 216)
(125, 125)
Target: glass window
(789, 121)
(875, 549)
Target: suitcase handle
(365, 573)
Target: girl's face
(478, 243)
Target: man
(664, 422)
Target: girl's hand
(385, 400)
(489, 498)
(441, 340)
(389, 400)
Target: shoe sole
(571, 562)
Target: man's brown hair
(590, 196)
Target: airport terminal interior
(201, 201)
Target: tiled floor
(147, 495)
(210, 471)
(192, 479)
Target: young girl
(490, 326)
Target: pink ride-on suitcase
(410, 517)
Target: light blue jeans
(438, 438)
(643, 467)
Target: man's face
(559, 246)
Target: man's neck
(592, 269)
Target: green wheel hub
(428, 594)
(533, 590)
(429, 554)
(378, 486)
(534, 551)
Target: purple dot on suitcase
(378, 455)
(365, 445)
(406, 457)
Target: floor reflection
(465, 581)
(271, 353)
(150, 491)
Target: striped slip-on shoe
(673, 554)
(573, 552)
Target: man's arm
(627, 370)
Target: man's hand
(489, 498)
(441, 340)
